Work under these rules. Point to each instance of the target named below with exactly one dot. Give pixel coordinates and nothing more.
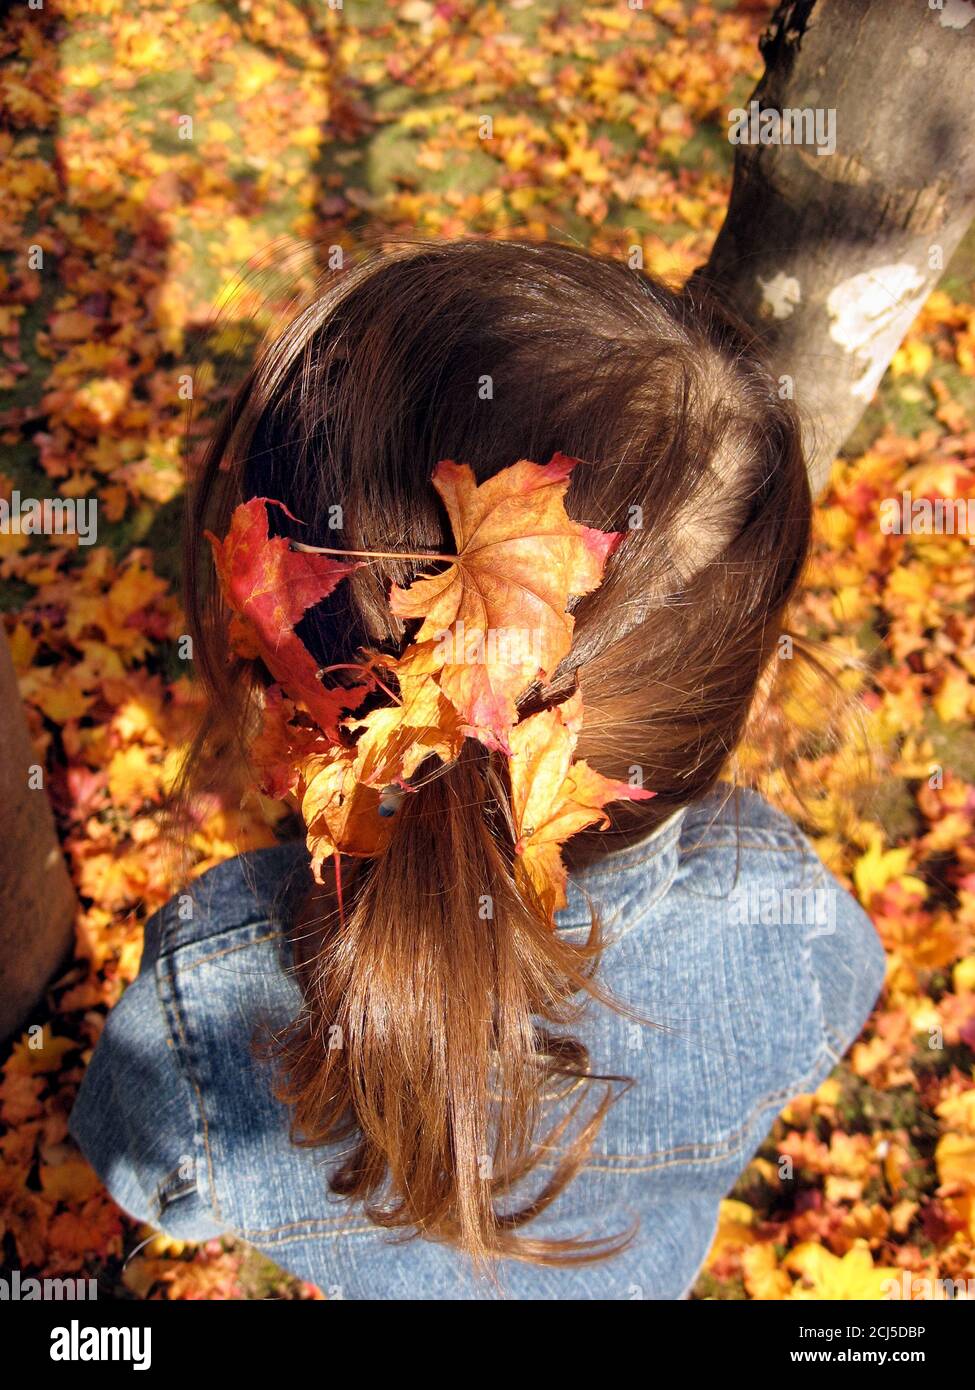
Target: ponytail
(425, 1037)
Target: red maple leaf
(270, 588)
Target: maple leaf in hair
(269, 587)
(498, 612)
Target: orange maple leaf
(553, 797)
(498, 612)
(341, 814)
(394, 740)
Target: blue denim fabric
(726, 931)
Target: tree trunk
(830, 256)
(36, 925)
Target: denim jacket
(724, 929)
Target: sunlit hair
(453, 1021)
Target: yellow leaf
(134, 775)
(963, 975)
(878, 866)
(913, 358)
(764, 1280)
(827, 1276)
(951, 704)
(958, 1112)
(39, 1052)
(955, 1158)
(735, 1223)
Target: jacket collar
(610, 886)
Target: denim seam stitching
(609, 866)
(776, 840)
(773, 1098)
(205, 1132)
(770, 1098)
(830, 1044)
(659, 889)
(229, 950)
(313, 1235)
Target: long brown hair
(453, 1021)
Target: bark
(830, 256)
(36, 925)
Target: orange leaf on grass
(20, 1096)
(70, 1181)
(92, 1229)
(553, 797)
(270, 588)
(499, 610)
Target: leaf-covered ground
(311, 124)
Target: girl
(404, 1077)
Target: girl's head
(453, 1020)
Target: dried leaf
(270, 588)
(498, 612)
